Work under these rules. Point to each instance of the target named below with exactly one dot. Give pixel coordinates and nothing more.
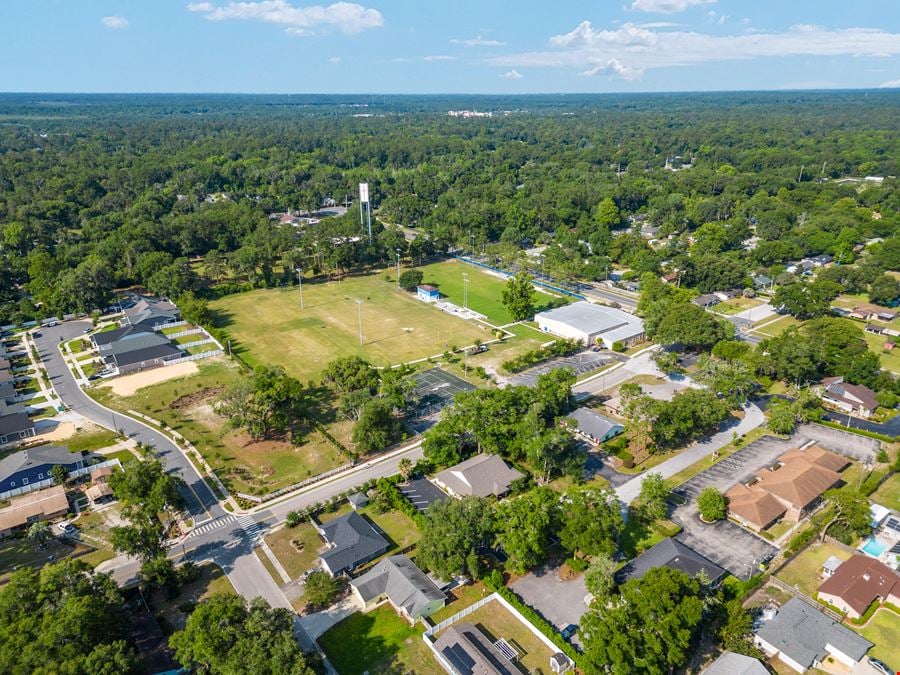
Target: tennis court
(436, 389)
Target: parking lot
(560, 602)
(436, 389)
(727, 544)
(581, 363)
(422, 493)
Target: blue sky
(434, 46)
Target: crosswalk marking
(249, 526)
(212, 525)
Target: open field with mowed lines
(268, 326)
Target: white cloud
(439, 57)
(632, 49)
(478, 42)
(667, 6)
(511, 75)
(347, 17)
(890, 84)
(334, 60)
(114, 22)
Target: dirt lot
(130, 384)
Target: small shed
(357, 500)
(830, 566)
(560, 663)
(428, 293)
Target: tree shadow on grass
(353, 649)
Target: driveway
(560, 602)
(318, 623)
(597, 465)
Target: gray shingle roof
(592, 423)
(133, 343)
(401, 581)
(671, 553)
(166, 351)
(736, 664)
(801, 632)
(14, 423)
(469, 652)
(479, 476)
(110, 336)
(355, 541)
(44, 454)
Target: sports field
(485, 290)
(268, 326)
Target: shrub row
(532, 358)
(860, 432)
(398, 501)
(532, 616)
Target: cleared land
(889, 493)
(268, 326)
(296, 548)
(130, 384)
(485, 289)
(244, 465)
(378, 642)
(172, 613)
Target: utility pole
(465, 290)
(398, 268)
(800, 179)
(300, 281)
(359, 311)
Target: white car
(66, 527)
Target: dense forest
(101, 192)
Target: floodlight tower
(359, 312)
(300, 281)
(365, 215)
(465, 290)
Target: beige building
(32, 507)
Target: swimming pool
(873, 547)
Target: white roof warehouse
(590, 323)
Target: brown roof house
(480, 476)
(790, 488)
(854, 399)
(32, 507)
(859, 582)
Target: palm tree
(39, 534)
(405, 466)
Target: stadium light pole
(465, 290)
(300, 281)
(359, 311)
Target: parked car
(881, 666)
(66, 527)
(37, 335)
(569, 631)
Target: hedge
(802, 539)
(534, 618)
(874, 607)
(860, 432)
(532, 358)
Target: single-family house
(854, 399)
(670, 278)
(730, 663)
(859, 582)
(32, 507)
(592, 426)
(15, 428)
(822, 260)
(761, 282)
(790, 488)
(357, 500)
(428, 293)
(869, 312)
(7, 376)
(8, 393)
(352, 541)
(33, 465)
(874, 329)
(104, 340)
(142, 359)
(99, 493)
(671, 553)
(706, 300)
(802, 637)
(150, 312)
(468, 651)
(133, 343)
(4, 364)
(397, 579)
(592, 324)
(479, 476)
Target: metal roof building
(590, 324)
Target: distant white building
(590, 324)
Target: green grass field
(485, 290)
(802, 570)
(889, 493)
(378, 642)
(268, 326)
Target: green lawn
(777, 327)
(802, 572)
(889, 493)
(378, 642)
(884, 631)
(185, 404)
(737, 305)
(485, 290)
(637, 538)
(889, 360)
(89, 441)
(399, 527)
(16, 553)
(458, 599)
(495, 621)
(296, 548)
(268, 326)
